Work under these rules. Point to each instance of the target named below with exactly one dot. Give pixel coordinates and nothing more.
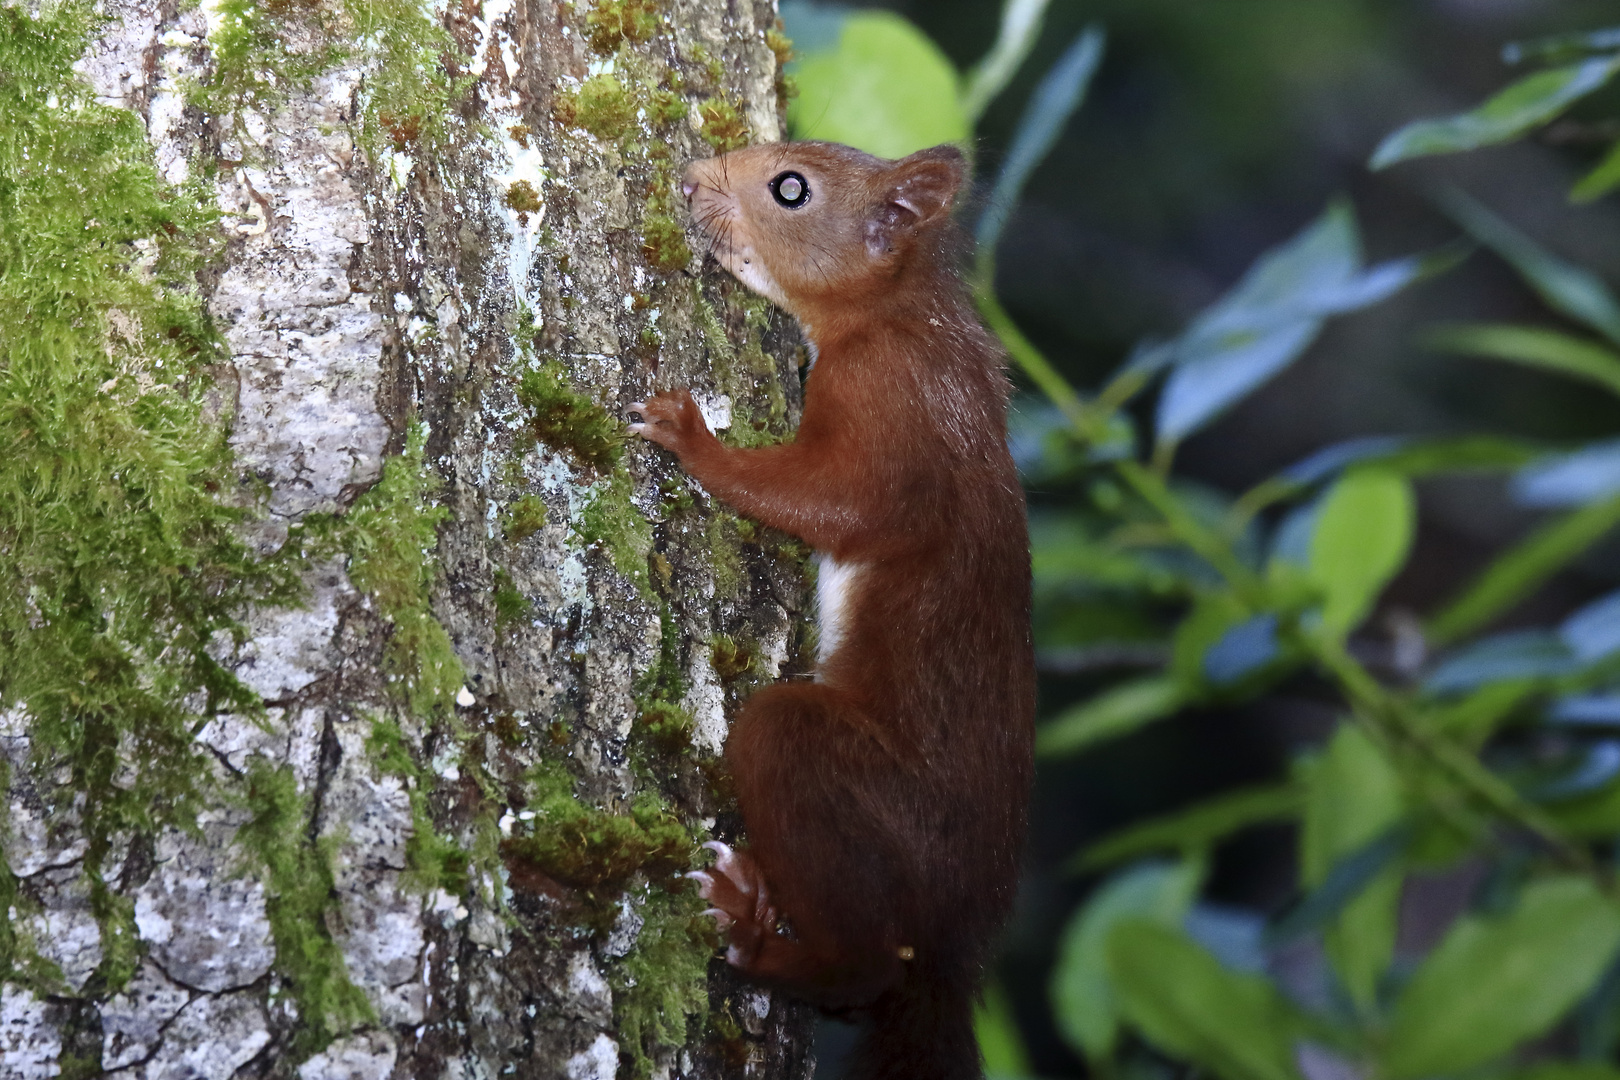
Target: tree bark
(450, 844)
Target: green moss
(522, 198)
(724, 126)
(587, 848)
(663, 236)
(390, 534)
(667, 107)
(525, 517)
(779, 43)
(256, 63)
(613, 22)
(511, 606)
(120, 571)
(731, 659)
(660, 688)
(713, 73)
(756, 320)
(722, 353)
(299, 898)
(667, 726)
(605, 107)
(676, 495)
(432, 861)
(660, 989)
(404, 49)
(725, 554)
(265, 49)
(565, 419)
(612, 521)
(120, 940)
(663, 228)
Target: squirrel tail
(921, 1030)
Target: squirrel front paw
(671, 419)
(741, 902)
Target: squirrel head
(810, 225)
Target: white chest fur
(835, 587)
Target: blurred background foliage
(1319, 418)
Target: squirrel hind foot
(741, 902)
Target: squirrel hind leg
(815, 796)
(822, 969)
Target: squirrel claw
(705, 882)
(724, 858)
(721, 918)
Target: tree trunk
(449, 844)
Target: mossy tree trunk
(442, 836)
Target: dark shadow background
(1214, 130)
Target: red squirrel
(884, 802)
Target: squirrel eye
(791, 190)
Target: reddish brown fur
(884, 802)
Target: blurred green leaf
(1082, 1002)
(1591, 768)
(1250, 647)
(1516, 655)
(1353, 801)
(1532, 346)
(1474, 718)
(1259, 328)
(1467, 453)
(1522, 105)
(1197, 827)
(1273, 315)
(1109, 715)
(1063, 552)
(1365, 931)
(1596, 815)
(1409, 457)
(1353, 794)
(1560, 48)
(886, 89)
(1573, 290)
(996, 1029)
(1495, 982)
(1520, 571)
(1603, 178)
(1020, 27)
(1213, 614)
(1577, 478)
(1363, 534)
(1184, 1002)
(1059, 94)
(1592, 633)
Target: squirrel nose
(689, 182)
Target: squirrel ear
(921, 189)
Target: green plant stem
(1390, 717)
(1258, 498)
(1204, 542)
(1035, 365)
